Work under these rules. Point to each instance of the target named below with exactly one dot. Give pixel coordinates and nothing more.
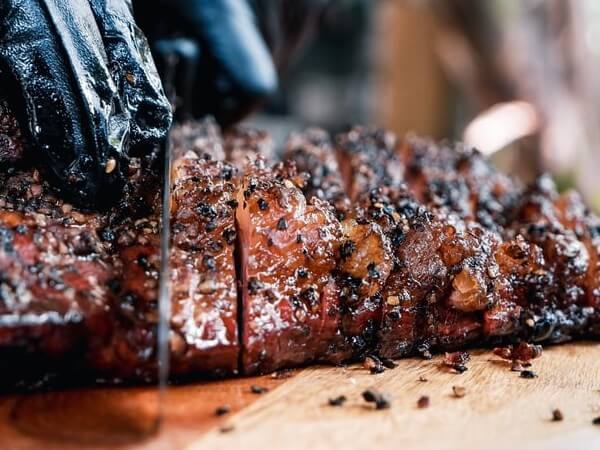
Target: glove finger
(177, 61)
(134, 73)
(228, 31)
(52, 49)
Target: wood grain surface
(500, 410)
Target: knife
(164, 293)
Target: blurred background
(516, 79)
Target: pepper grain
(381, 400)
(255, 389)
(337, 401)
(528, 374)
(222, 410)
(557, 415)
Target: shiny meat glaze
(204, 331)
(287, 250)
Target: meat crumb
(282, 374)
(519, 354)
(337, 401)
(422, 379)
(457, 361)
(255, 389)
(557, 415)
(516, 366)
(381, 400)
(423, 402)
(373, 364)
(222, 410)
(226, 428)
(459, 391)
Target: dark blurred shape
(221, 57)
(328, 84)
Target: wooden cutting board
(500, 410)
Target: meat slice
(445, 275)
(562, 307)
(458, 179)
(435, 296)
(204, 329)
(244, 145)
(365, 257)
(313, 153)
(287, 251)
(203, 138)
(78, 288)
(368, 160)
(575, 216)
(53, 285)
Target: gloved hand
(221, 57)
(87, 87)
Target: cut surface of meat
(288, 250)
(204, 318)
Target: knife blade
(164, 294)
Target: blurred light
(500, 125)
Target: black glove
(89, 90)
(221, 57)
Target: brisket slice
(204, 329)
(78, 288)
(564, 300)
(244, 145)
(460, 180)
(365, 259)
(287, 253)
